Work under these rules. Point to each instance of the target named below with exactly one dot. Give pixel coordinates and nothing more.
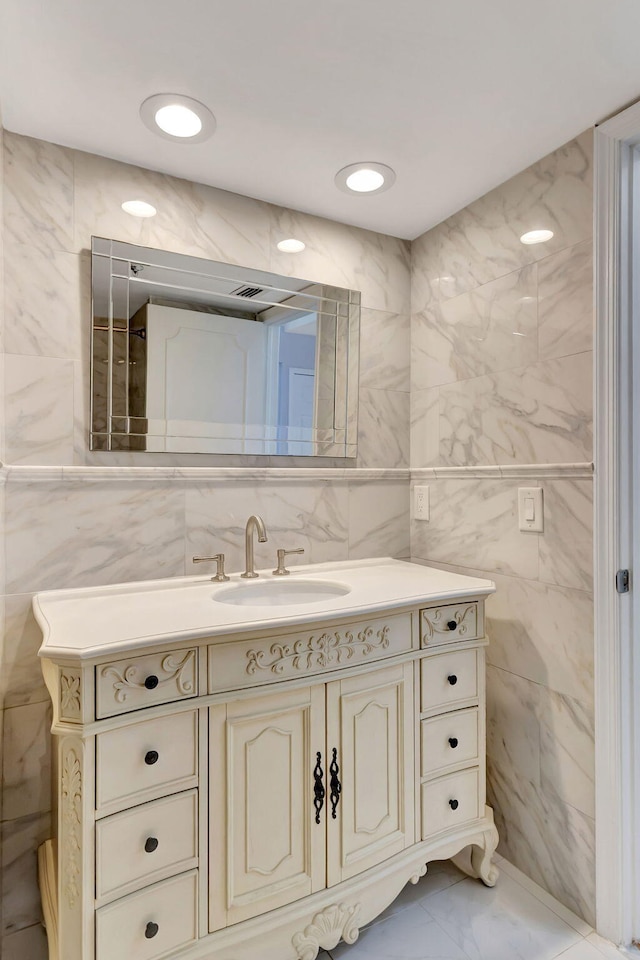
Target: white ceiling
(456, 95)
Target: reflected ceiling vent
(247, 292)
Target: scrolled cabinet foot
(334, 923)
(476, 861)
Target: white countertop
(121, 618)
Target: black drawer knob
(453, 804)
(452, 624)
(151, 757)
(151, 682)
(453, 742)
(151, 844)
(150, 930)
(452, 679)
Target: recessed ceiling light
(365, 177)
(536, 236)
(175, 117)
(139, 208)
(291, 246)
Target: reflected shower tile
(384, 350)
(38, 194)
(378, 519)
(38, 410)
(565, 288)
(541, 413)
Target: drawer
(455, 621)
(448, 740)
(142, 760)
(146, 844)
(151, 923)
(280, 657)
(126, 685)
(450, 801)
(448, 679)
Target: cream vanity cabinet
(237, 789)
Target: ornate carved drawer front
(144, 760)
(450, 801)
(449, 740)
(448, 679)
(268, 659)
(146, 844)
(456, 621)
(151, 923)
(126, 685)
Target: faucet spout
(254, 523)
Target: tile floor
(447, 916)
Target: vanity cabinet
(263, 791)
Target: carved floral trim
(71, 803)
(70, 694)
(436, 622)
(336, 922)
(321, 650)
(177, 672)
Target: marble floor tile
(440, 875)
(584, 950)
(504, 922)
(605, 947)
(577, 923)
(409, 935)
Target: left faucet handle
(220, 575)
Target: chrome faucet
(253, 523)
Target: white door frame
(617, 513)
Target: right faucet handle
(220, 576)
(281, 570)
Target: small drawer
(456, 621)
(143, 760)
(285, 656)
(448, 740)
(151, 923)
(146, 844)
(126, 685)
(448, 679)
(450, 801)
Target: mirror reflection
(196, 356)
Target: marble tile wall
(501, 376)
(90, 530)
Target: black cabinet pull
(151, 682)
(453, 742)
(453, 804)
(334, 784)
(452, 679)
(151, 757)
(151, 844)
(150, 930)
(318, 786)
(452, 624)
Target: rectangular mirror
(195, 356)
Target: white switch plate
(421, 509)
(530, 509)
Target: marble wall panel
(384, 350)
(513, 731)
(475, 523)
(566, 548)
(20, 896)
(59, 535)
(383, 428)
(489, 329)
(312, 515)
(425, 427)
(21, 678)
(541, 413)
(482, 241)
(38, 410)
(29, 943)
(565, 302)
(567, 749)
(379, 519)
(26, 769)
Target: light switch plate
(421, 506)
(530, 509)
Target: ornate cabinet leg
(478, 863)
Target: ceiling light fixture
(175, 117)
(139, 208)
(536, 236)
(365, 177)
(291, 246)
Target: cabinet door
(370, 723)
(266, 848)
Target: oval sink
(274, 593)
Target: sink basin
(276, 593)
